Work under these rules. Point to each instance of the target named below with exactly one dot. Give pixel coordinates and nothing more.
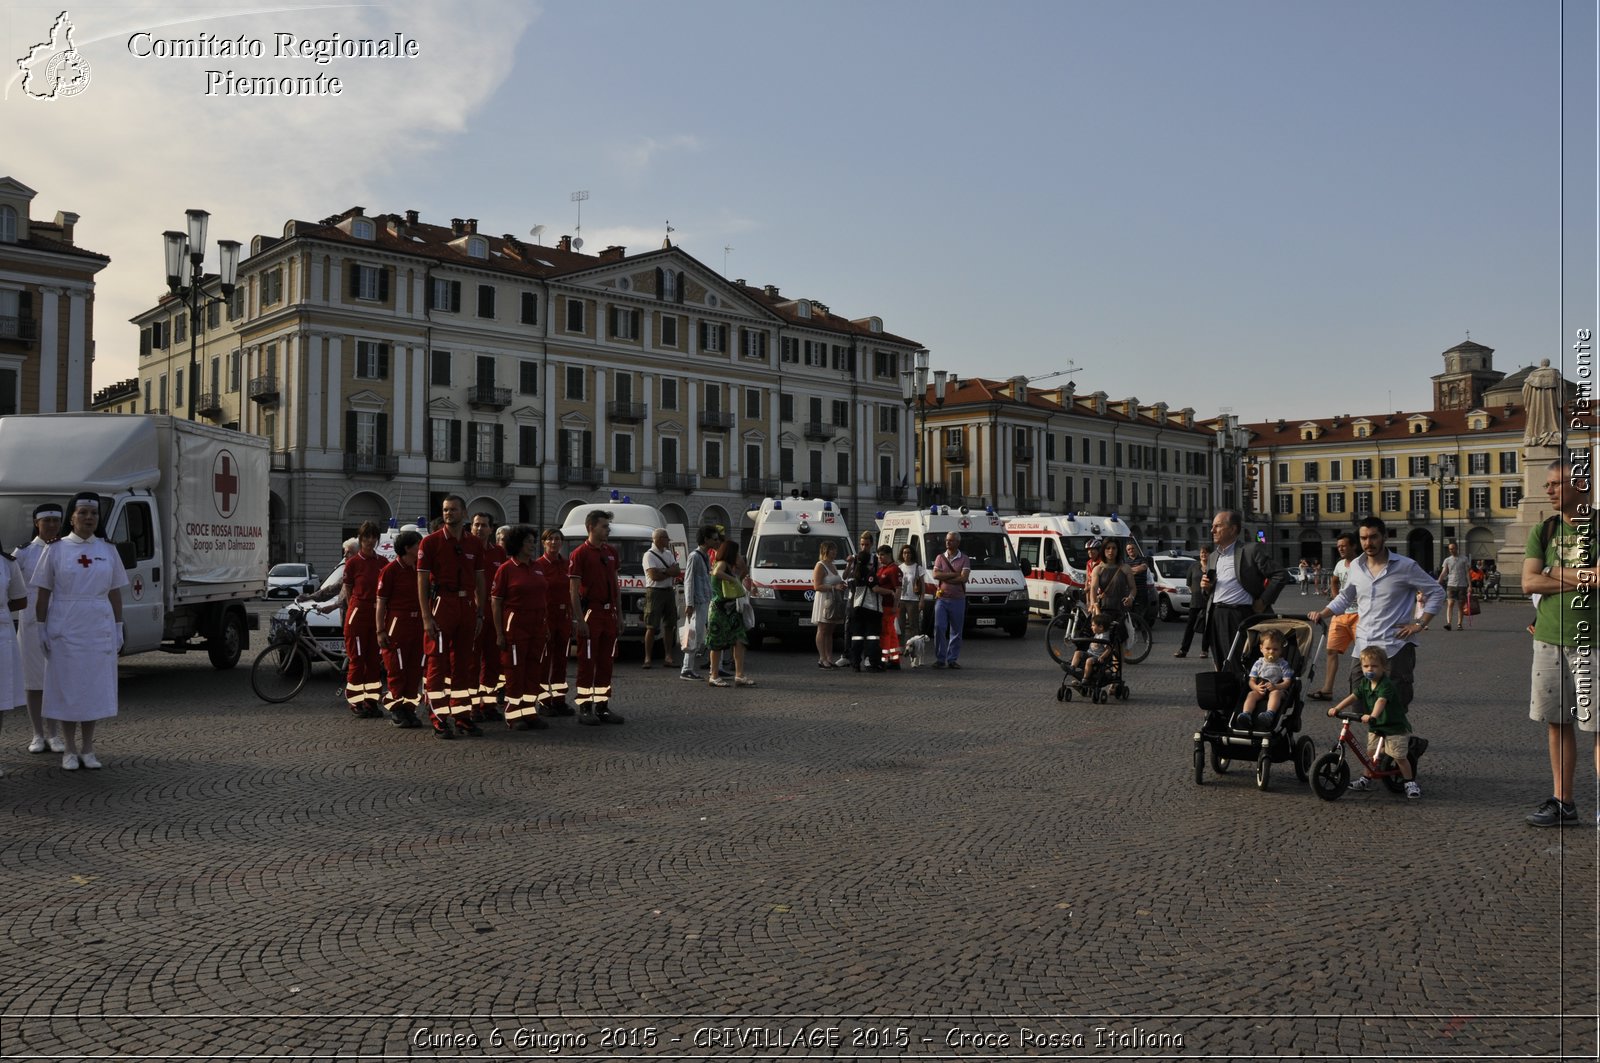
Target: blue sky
(1289, 209)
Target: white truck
(997, 593)
(1054, 549)
(633, 525)
(184, 504)
(782, 538)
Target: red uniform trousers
(890, 646)
(452, 660)
(553, 685)
(403, 661)
(526, 646)
(596, 654)
(491, 671)
(363, 684)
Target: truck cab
(997, 594)
(633, 525)
(782, 539)
(1054, 549)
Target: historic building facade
(46, 308)
(391, 361)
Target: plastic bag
(688, 633)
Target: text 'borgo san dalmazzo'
(319, 50)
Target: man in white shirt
(661, 574)
(1456, 576)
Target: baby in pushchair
(1253, 703)
(1096, 666)
(1270, 679)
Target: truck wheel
(227, 646)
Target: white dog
(917, 651)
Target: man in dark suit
(1242, 580)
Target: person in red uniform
(558, 625)
(400, 630)
(889, 592)
(596, 598)
(358, 595)
(520, 600)
(491, 676)
(451, 593)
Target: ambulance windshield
(793, 550)
(988, 550)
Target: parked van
(781, 541)
(1054, 549)
(185, 505)
(633, 525)
(997, 593)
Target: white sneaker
(89, 760)
(57, 744)
(38, 745)
(1413, 790)
(69, 762)
(1362, 783)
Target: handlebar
(1349, 714)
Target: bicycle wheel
(1057, 638)
(1137, 647)
(280, 671)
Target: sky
(1276, 209)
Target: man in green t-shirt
(1560, 566)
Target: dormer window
(1418, 425)
(478, 247)
(362, 229)
(803, 308)
(8, 225)
(1309, 431)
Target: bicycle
(1330, 775)
(281, 669)
(1072, 622)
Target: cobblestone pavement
(830, 865)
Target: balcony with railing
(264, 389)
(209, 404)
(360, 463)
(1309, 516)
(588, 475)
(1480, 516)
(1419, 516)
(25, 329)
(488, 397)
(499, 472)
(818, 431)
(716, 420)
(818, 489)
(1022, 452)
(1027, 504)
(759, 485)
(677, 481)
(955, 453)
(625, 412)
(891, 493)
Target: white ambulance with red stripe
(782, 538)
(997, 595)
(1054, 548)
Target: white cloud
(144, 141)
(638, 156)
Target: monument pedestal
(1532, 511)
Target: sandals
(743, 681)
(1317, 695)
(718, 681)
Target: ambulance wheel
(1264, 769)
(1330, 775)
(1199, 764)
(1219, 763)
(1305, 751)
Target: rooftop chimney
(472, 225)
(457, 226)
(411, 217)
(66, 219)
(612, 254)
(564, 244)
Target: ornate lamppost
(192, 245)
(1442, 474)
(914, 390)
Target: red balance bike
(1330, 775)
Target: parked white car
(290, 580)
(1171, 584)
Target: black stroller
(1221, 695)
(1071, 631)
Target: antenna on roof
(537, 232)
(726, 251)
(577, 238)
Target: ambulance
(633, 525)
(997, 593)
(1054, 550)
(782, 539)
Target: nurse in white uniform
(47, 529)
(79, 612)
(15, 593)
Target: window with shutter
(486, 300)
(530, 308)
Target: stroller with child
(1221, 695)
(1091, 661)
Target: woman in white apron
(80, 616)
(47, 529)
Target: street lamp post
(192, 245)
(1233, 441)
(914, 389)
(1442, 474)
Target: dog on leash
(917, 651)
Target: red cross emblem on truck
(224, 484)
(965, 523)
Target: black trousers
(866, 637)
(1196, 621)
(1221, 626)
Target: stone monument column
(1541, 444)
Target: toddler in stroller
(1096, 666)
(1232, 729)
